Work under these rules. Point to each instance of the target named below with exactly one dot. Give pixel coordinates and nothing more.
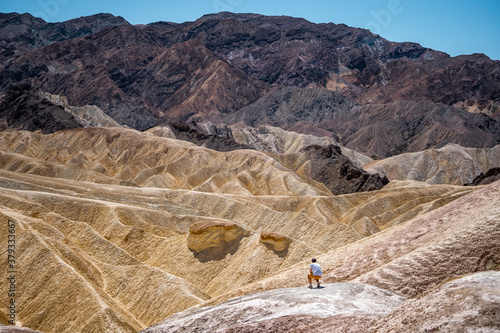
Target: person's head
(313, 260)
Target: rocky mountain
(23, 33)
(26, 108)
(391, 129)
(308, 111)
(378, 130)
(170, 177)
(232, 68)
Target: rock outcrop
(469, 303)
(206, 135)
(27, 108)
(490, 176)
(277, 140)
(250, 310)
(22, 108)
(277, 242)
(338, 173)
(88, 115)
(213, 235)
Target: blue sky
(455, 27)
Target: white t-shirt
(316, 268)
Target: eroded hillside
(118, 230)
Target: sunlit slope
(414, 257)
(97, 255)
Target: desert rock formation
(334, 300)
(469, 303)
(414, 257)
(115, 234)
(325, 79)
(451, 164)
(152, 169)
(277, 140)
(207, 235)
(277, 242)
(330, 167)
(27, 108)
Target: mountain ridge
(253, 55)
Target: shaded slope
(27, 108)
(488, 177)
(209, 136)
(23, 108)
(400, 127)
(308, 111)
(21, 33)
(329, 166)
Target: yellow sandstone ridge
(213, 234)
(278, 242)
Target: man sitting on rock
(314, 273)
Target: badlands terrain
(180, 177)
(117, 229)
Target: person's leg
(309, 277)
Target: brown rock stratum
(104, 218)
(323, 79)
